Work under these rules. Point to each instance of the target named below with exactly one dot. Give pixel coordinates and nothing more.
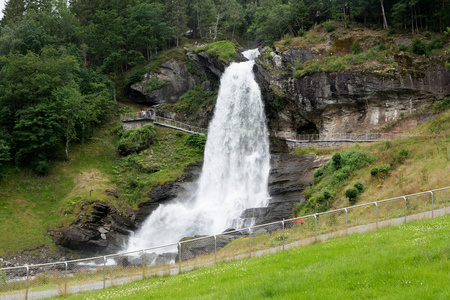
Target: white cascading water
(235, 169)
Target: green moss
(154, 84)
(224, 50)
(193, 100)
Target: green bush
(391, 31)
(382, 47)
(351, 194)
(336, 159)
(447, 65)
(419, 47)
(136, 76)
(442, 105)
(436, 44)
(329, 26)
(356, 47)
(402, 47)
(136, 140)
(301, 32)
(359, 186)
(374, 171)
(196, 141)
(386, 169)
(154, 84)
(42, 168)
(287, 39)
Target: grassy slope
(408, 262)
(426, 167)
(32, 205)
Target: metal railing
(158, 120)
(367, 136)
(179, 125)
(67, 277)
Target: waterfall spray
(235, 169)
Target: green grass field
(410, 261)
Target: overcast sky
(2, 5)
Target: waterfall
(235, 171)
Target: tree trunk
(385, 24)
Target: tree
(176, 15)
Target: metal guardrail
(39, 281)
(367, 136)
(158, 120)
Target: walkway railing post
(28, 275)
(315, 226)
(143, 264)
(179, 258)
(104, 272)
(282, 223)
(250, 242)
(346, 221)
(432, 204)
(215, 249)
(405, 208)
(65, 280)
(376, 213)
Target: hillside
(37, 209)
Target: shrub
(391, 31)
(359, 186)
(136, 140)
(436, 44)
(419, 47)
(351, 194)
(336, 159)
(329, 26)
(447, 65)
(374, 171)
(382, 47)
(287, 39)
(386, 169)
(196, 141)
(402, 47)
(442, 105)
(356, 47)
(42, 168)
(154, 84)
(301, 32)
(136, 76)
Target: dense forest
(59, 59)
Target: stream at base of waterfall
(235, 171)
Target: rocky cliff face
(351, 101)
(176, 77)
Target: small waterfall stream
(235, 169)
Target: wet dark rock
(104, 230)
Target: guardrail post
(315, 227)
(28, 275)
(432, 204)
(65, 280)
(104, 272)
(215, 249)
(282, 223)
(376, 214)
(250, 241)
(179, 258)
(346, 221)
(405, 208)
(143, 264)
